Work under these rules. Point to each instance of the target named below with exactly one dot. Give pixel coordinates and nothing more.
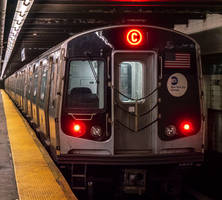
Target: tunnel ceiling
(52, 21)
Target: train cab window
(131, 81)
(86, 84)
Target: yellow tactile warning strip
(36, 175)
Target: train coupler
(134, 181)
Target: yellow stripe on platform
(32, 164)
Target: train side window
(29, 81)
(44, 80)
(31, 84)
(131, 81)
(35, 86)
(53, 84)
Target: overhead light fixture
(22, 10)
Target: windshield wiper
(88, 54)
(93, 71)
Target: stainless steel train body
(121, 95)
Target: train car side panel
(54, 102)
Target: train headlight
(96, 131)
(170, 131)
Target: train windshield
(86, 84)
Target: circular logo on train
(177, 85)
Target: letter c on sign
(134, 37)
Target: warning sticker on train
(177, 85)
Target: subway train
(121, 104)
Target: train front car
(133, 99)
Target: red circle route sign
(134, 37)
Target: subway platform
(26, 170)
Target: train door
(135, 101)
(35, 94)
(44, 99)
(53, 83)
(22, 88)
(19, 85)
(29, 92)
(25, 90)
(15, 87)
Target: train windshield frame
(85, 86)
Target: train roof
(128, 25)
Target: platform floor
(26, 169)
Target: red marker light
(134, 37)
(78, 128)
(186, 128)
